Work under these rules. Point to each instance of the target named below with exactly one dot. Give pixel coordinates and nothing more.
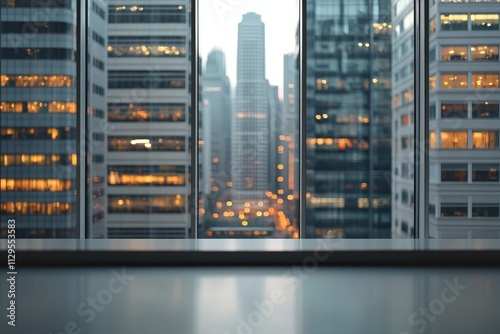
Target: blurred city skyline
(218, 29)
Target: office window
(485, 206)
(432, 25)
(454, 172)
(432, 82)
(454, 80)
(151, 143)
(150, 204)
(432, 140)
(453, 110)
(484, 139)
(29, 81)
(36, 3)
(454, 21)
(150, 14)
(146, 112)
(454, 209)
(485, 172)
(485, 80)
(36, 208)
(151, 46)
(147, 175)
(453, 53)
(405, 120)
(43, 185)
(484, 21)
(485, 110)
(37, 133)
(454, 139)
(146, 79)
(432, 111)
(484, 52)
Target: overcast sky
(219, 28)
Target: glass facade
(348, 105)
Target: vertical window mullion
(421, 120)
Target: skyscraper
(96, 122)
(217, 108)
(464, 190)
(40, 118)
(348, 119)
(148, 107)
(250, 146)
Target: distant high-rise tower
(250, 146)
(217, 109)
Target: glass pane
(147, 66)
(452, 53)
(249, 119)
(38, 114)
(464, 200)
(484, 52)
(354, 166)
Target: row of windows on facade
(461, 80)
(38, 159)
(461, 110)
(142, 50)
(44, 185)
(119, 112)
(116, 204)
(461, 53)
(465, 21)
(36, 3)
(459, 172)
(457, 140)
(38, 133)
(57, 81)
(464, 210)
(460, 139)
(150, 14)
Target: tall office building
(287, 147)
(403, 123)
(464, 191)
(148, 105)
(250, 146)
(96, 123)
(39, 118)
(217, 110)
(348, 119)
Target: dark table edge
(441, 258)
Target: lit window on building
(485, 80)
(454, 22)
(484, 21)
(454, 139)
(453, 80)
(453, 53)
(484, 139)
(484, 52)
